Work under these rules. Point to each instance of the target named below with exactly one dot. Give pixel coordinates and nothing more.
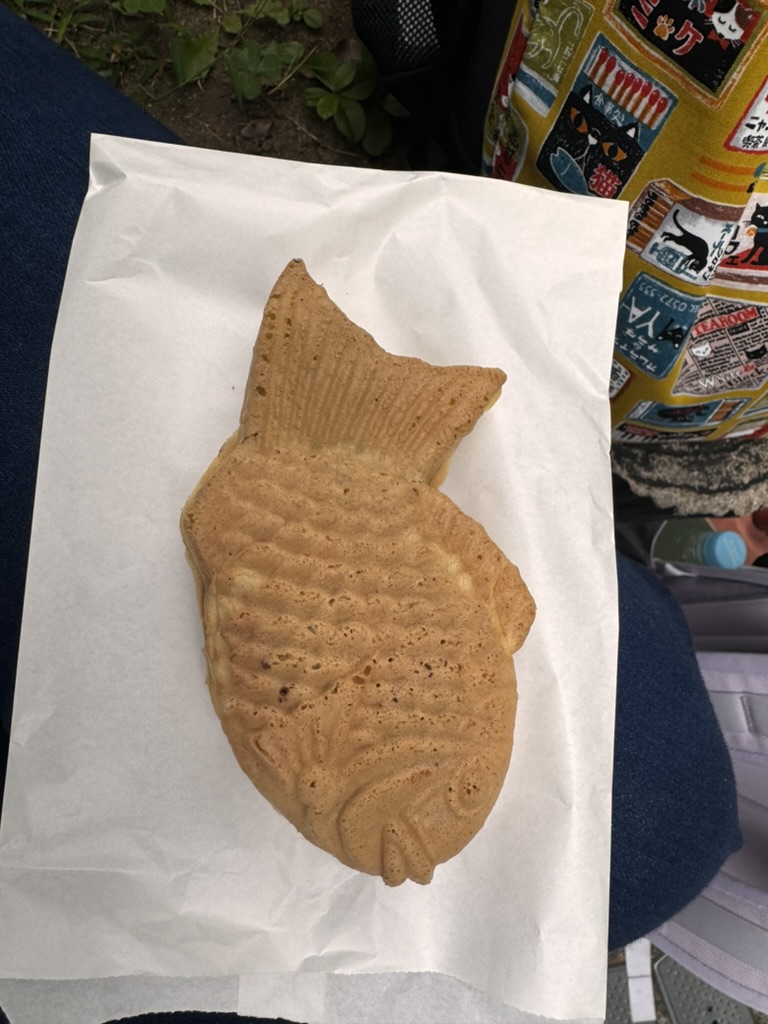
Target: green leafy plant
(59, 20)
(250, 63)
(252, 66)
(89, 29)
(193, 56)
(139, 44)
(350, 92)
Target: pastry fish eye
(614, 151)
(578, 120)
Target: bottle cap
(725, 549)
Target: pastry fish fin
(495, 580)
(317, 380)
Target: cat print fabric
(664, 104)
(586, 153)
(757, 254)
(704, 39)
(610, 118)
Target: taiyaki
(359, 627)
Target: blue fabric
(674, 797)
(49, 105)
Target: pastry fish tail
(319, 381)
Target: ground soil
(278, 124)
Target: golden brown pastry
(359, 628)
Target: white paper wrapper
(131, 843)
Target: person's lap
(674, 816)
(49, 105)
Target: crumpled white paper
(131, 843)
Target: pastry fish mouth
(384, 826)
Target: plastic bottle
(697, 541)
(753, 529)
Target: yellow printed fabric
(663, 103)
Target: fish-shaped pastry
(359, 628)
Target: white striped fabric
(722, 936)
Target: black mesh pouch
(420, 48)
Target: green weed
(350, 92)
(140, 44)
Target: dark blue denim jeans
(674, 816)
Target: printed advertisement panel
(609, 120)
(727, 349)
(653, 324)
(703, 39)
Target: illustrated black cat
(698, 248)
(758, 254)
(585, 152)
(673, 333)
